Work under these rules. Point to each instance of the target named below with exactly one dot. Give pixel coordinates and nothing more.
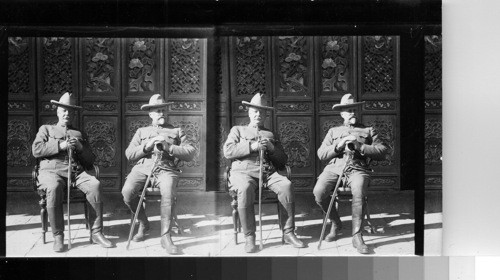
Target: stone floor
(207, 228)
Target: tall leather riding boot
(166, 226)
(141, 218)
(96, 225)
(357, 221)
(334, 218)
(289, 226)
(56, 220)
(247, 219)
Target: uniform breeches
(357, 180)
(54, 185)
(246, 186)
(166, 181)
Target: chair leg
(367, 213)
(43, 218)
(279, 222)
(236, 220)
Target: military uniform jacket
(46, 148)
(237, 148)
(371, 148)
(175, 136)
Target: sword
(70, 157)
(261, 159)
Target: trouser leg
(324, 186)
(53, 185)
(246, 186)
(131, 191)
(359, 182)
(168, 184)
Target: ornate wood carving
(295, 138)
(19, 142)
(142, 65)
(102, 140)
(193, 132)
(185, 67)
(250, 65)
(190, 183)
(100, 61)
(57, 60)
(20, 106)
(433, 64)
(433, 104)
(19, 66)
(302, 183)
(326, 107)
(47, 107)
(380, 105)
(433, 141)
(335, 63)
(187, 106)
(293, 65)
(378, 65)
(382, 181)
(220, 148)
(100, 106)
(107, 183)
(386, 133)
(20, 183)
(294, 107)
(329, 124)
(433, 180)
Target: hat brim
(256, 106)
(66, 105)
(340, 107)
(154, 106)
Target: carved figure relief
(293, 65)
(294, 136)
(102, 140)
(335, 63)
(185, 67)
(100, 60)
(141, 64)
(250, 65)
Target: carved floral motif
(100, 60)
(250, 65)
(191, 183)
(378, 65)
(192, 131)
(335, 63)
(19, 61)
(293, 65)
(186, 106)
(104, 106)
(385, 130)
(295, 139)
(19, 143)
(19, 106)
(57, 60)
(382, 181)
(141, 64)
(433, 141)
(293, 107)
(185, 67)
(102, 140)
(380, 105)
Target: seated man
(364, 143)
(51, 147)
(242, 146)
(143, 148)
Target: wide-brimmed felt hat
(258, 101)
(346, 102)
(67, 101)
(156, 101)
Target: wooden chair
(76, 196)
(268, 197)
(344, 195)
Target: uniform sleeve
(185, 151)
(135, 149)
(44, 146)
(279, 158)
(86, 157)
(236, 147)
(377, 150)
(327, 150)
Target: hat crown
(259, 99)
(67, 99)
(347, 99)
(156, 99)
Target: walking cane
(143, 194)
(70, 157)
(261, 159)
(325, 220)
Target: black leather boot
(289, 227)
(247, 219)
(96, 222)
(166, 226)
(142, 218)
(57, 224)
(357, 221)
(334, 218)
